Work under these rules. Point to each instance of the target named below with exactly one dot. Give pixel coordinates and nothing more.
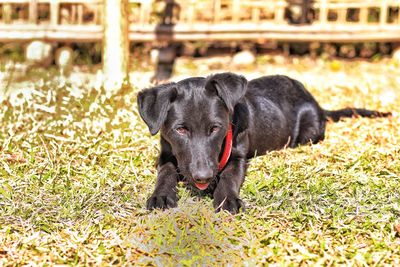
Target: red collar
(227, 149)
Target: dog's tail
(336, 115)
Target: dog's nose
(203, 176)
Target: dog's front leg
(226, 194)
(164, 195)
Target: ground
(77, 165)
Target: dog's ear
(154, 104)
(228, 86)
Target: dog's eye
(182, 130)
(214, 129)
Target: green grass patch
(77, 165)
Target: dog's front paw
(161, 202)
(232, 204)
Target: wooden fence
(206, 20)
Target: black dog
(211, 126)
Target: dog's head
(193, 116)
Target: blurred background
(153, 40)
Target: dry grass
(76, 167)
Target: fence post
(280, 11)
(145, 11)
(236, 10)
(33, 11)
(115, 43)
(216, 10)
(7, 13)
(80, 14)
(54, 12)
(384, 12)
(323, 12)
(364, 15)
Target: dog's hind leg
(308, 127)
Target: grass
(77, 165)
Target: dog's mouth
(202, 186)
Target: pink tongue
(202, 186)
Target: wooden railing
(358, 11)
(53, 12)
(80, 20)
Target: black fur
(193, 115)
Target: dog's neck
(227, 149)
